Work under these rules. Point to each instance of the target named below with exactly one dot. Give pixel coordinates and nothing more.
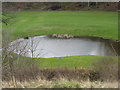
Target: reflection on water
(46, 47)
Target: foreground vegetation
(27, 75)
(63, 83)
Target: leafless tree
(11, 60)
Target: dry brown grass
(26, 74)
(62, 83)
(58, 78)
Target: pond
(47, 47)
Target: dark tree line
(60, 5)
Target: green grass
(78, 23)
(85, 61)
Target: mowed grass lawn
(78, 23)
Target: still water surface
(46, 47)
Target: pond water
(46, 47)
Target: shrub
(107, 67)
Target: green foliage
(6, 18)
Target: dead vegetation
(105, 69)
(27, 74)
(61, 83)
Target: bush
(107, 67)
(27, 74)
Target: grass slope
(80, 23)
(85, 61)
